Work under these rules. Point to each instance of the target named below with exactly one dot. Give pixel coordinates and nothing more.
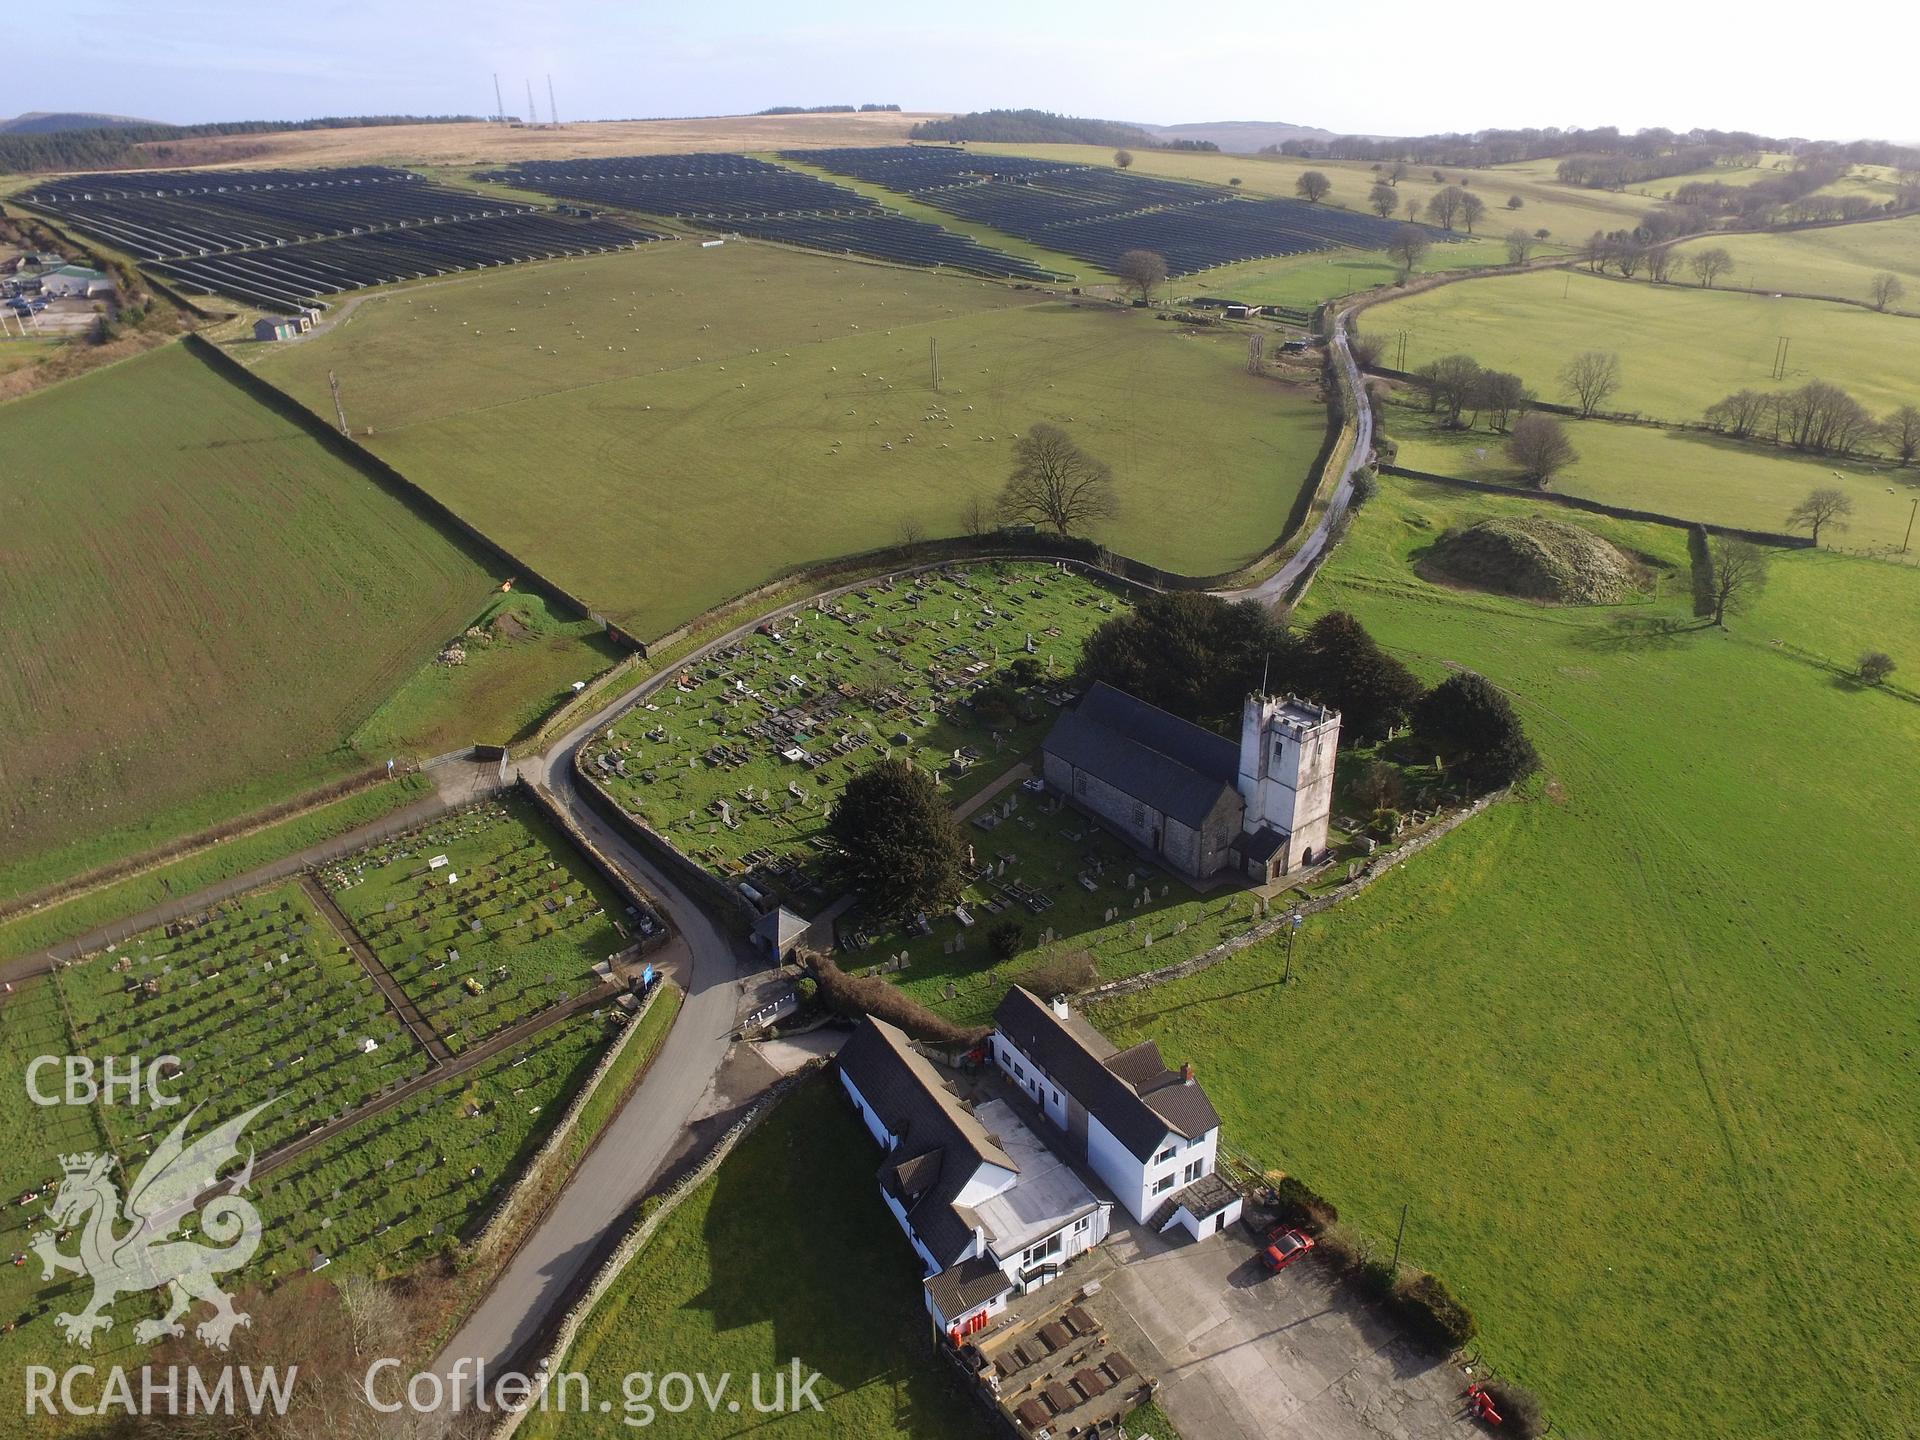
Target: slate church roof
(1166, 763)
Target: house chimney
(1060, 1009)
(1186, 1073)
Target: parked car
(1284, 1246)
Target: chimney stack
(1060, 1009)
(1186, 1073)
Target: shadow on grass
(1640, 632)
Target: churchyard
(483, 917)
(412, 1181)
(259, 998)
(700, 421)
(738, 762)
(1649, 998)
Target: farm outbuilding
(75, 280)
(276, 329)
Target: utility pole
(1910, 514)
(1398, 1238)
(933, 361)
(339, 409)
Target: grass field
(1303, 281)
(786, 1254)
(1568, 213)
(1681, 348)
(197, 604)
(1636, 1049)
(771, 408)
(1839, 260)
(94, 909)
(521, 663)
(483, 917)
(1690, 474)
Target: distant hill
(51, 122)
(1032, 127)
(1239, 137)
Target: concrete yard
(1244, 1355)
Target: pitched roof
(942, 1145)
(1161, 760)
(1131, 1092)
(782, 927)
(972, 1282)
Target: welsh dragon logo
(149, 1254)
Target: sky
(1383, 67)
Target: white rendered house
(1148, 1131)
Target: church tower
(1287, 751)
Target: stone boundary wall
(1598, 507)
(511, 1204)
(615, 1265)
(1270, 927)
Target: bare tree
(1142, 271)
(1590, 379)
(1383, 199)
(1824, 509)
(1822, 419)
(1366, 349)
(910, 533)
(1741, 414)
(1514, 202)
(1739, 573)
(1472, 208)
(1709, 265)
(977, 517)
(1445, 206)
(1500, 395)
(1886, 290)
(1409, 246)
(1123, 158)
(1519, 247)
(1312, 186)
(1397, 172)
(1450, 383)
(1660, 261)
(1901, 431)
(1540, 447)
(1056, 484)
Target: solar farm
(741, 195)
(1098, 214)
(740, 761)
(284, 239)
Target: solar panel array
(282, 239)
(1097, 214)
(744, 196)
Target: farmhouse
(989, 1209)
(1148, 1131)
(1191, 797)
(75, 280)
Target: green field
(786, 1254)
(1570, 214)
(748, 408)
(1839, 260)
(1685, 473)
(1681, 348)
(198, 603)
(1303, 281)
(48, 925)
(483, 917)
(1637, 1049)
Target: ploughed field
(198, 605)
(660, 430)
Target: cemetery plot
(32, 1138)
(745, 196)
(1099, 214)
(740, 760)
(259, 998)
(415, 1179)
(483, 917)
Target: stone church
(1196, 799)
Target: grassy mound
(1536, 559)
